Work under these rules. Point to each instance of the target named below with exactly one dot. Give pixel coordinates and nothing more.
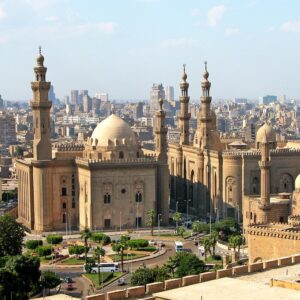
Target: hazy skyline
(121, 47)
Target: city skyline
(124, 47)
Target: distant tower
(205, 114)
(184, 116)
(41, 112)
(161, 133)
(265, 165)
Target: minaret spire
(184, 116)
(41, 111)
(161, 133)
(265, 165)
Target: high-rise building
(265, 100)
(102, 96)
(169, 93)
(138, 110)
(87, 103)
(157, 92)
(1, 102)
(7, 128)
(52, 96)
(74, 97)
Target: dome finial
(40, 58)
(184, 76)
(40, 50)
(205, 74)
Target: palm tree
(86, 234)
(98, 252)
(177, 217)
(233, 242)
(214, 238)
(150, 220)
(206, 244)
(239, 242)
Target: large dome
(297, 183)
(266, 133)
(113, 131)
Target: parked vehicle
(121, 281)
(152, 243)
(178, 246)
(104, 267)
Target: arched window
(121, 154)
(138, 197)
(64, 206)
(107, 198)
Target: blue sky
(123, 46)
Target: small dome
(113, 131)
(297, 183)
(265, 133)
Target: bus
(104, 267)
(178, 246)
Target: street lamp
(120, 221)
(187, 211)
(176, 217)
(66, 219)
(158, 223)
(137, 213)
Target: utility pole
(176, 218)
(158, 223)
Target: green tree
(7, 283)
(33, 244)
(98, 252)
(235, 241)
(76, 249)
(43, 250)
(206, 245)
(239, 242)
(54, 239)
(184, 263)
(150, 219)
(213, 239)
(26, 271)
(86, 234)
(227, 227)
(11, 236)
(181, 230)
(50, 280)
(177, 218)
(200, 227)
(143, 276)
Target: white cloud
(3, 14)
(177, 42)
(231, 31)
(196, 12)
(290, 26)
(215, 15)
(51, 19)
(108, 27)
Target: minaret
(205, 114)
(161, 133)
(184, 116)
(41, 112)
(265, 165)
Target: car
(152, 243)
(121, 281)
(160, 244)
(69, 280)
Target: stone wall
(146, 292)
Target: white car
(152, 243)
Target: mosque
(110, 182)
(107, 183)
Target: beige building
(214, 177)
(106, 183)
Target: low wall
(208, 276)
(155, 287)
(285, 284)
(151, 288)
(224, 273)
(284, 261)
(240, 270)
(173, 283)
(192, 279)
(135, 291)
(255, 267)
(296, 259)
(269, 264)
(116, 295)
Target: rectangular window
(138, 221)
(73, 180)
(73, 193)
(64, 191)
(107, 223)
(73, 204)
(64, 218)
